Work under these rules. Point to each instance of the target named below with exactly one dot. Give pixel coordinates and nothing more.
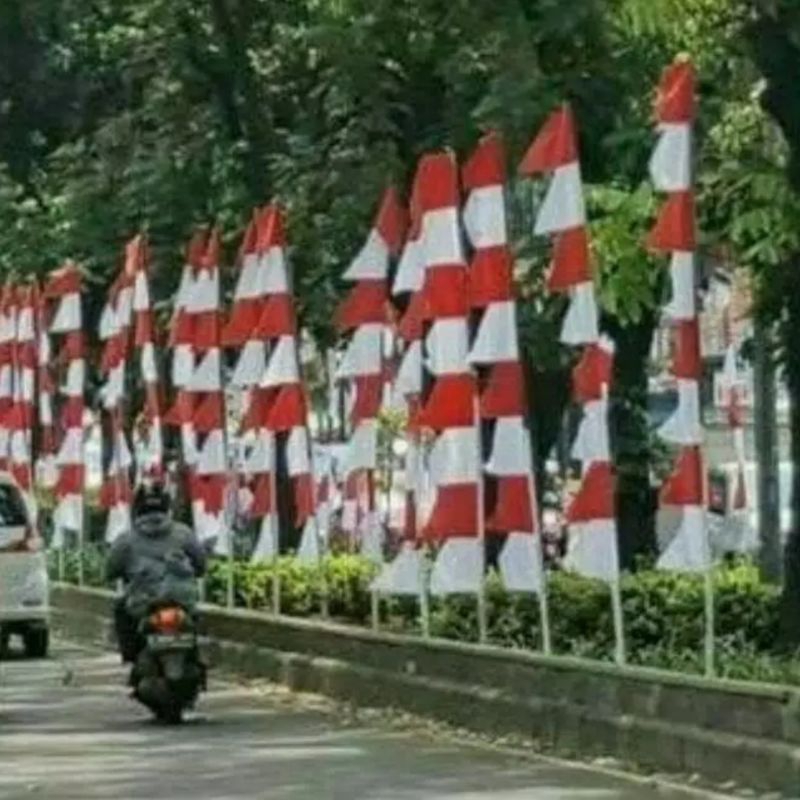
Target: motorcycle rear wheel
(170, 714)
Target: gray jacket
(159, 560)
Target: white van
(24, 585)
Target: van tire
(37, 642)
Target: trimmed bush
(663, 611)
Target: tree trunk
(636, 499)
(769, 531)
(790, 601)
(777, 55)
(548, 395)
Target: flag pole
(619, 627)
(325, 610)
(709, 638)
(373, 530)
(231, 587)
(620, 656)
(483, 623)
(275, 525)
(389, 474)
(374, 519)
(423, 486)
(320, 545)
(424, 597)
(80, 532)
(375, 609)
(709, 648)
(230, 523)
(544, 605)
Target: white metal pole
(619, 628)
(483, 623)
(321, 544)
(709, 646)
(544, 606)
(81, 577)
(231, 589)
(421, 500)
(375, 610)
(324, 588)
(275, 531)
(424, 596)
(230, 531)
(709, 637)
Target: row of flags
(263, 324)
(364, 368)
(42, 396)
(428, 325)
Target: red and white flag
(199, 406)
(277, 408)
(404, 574)
(115, 328)
(23, 410)
(593, 547)
(46, 473)
(363, 318)
(510, 506)
(150, 437)
(64, 290)
(562, 215)
(8, 326)
(450, 511)
(683, 495)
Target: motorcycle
(169, 671)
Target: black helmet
(151, 497)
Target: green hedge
(663, 612)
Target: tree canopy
(123, 115)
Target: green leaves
(630, 279)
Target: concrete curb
(724, 731)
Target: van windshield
(12, 507)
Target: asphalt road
(68, 732)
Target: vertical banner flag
(593, 548)
(404, 574)
(510, 490)
(683, 495)
(362, 316)
(46, 473)
(23, 410)
(64, 290)
(115, 324)
(150, 450)
(261, 273)
(277, 408)
(453, 515)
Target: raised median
(722, 730)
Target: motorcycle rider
(159, 560)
